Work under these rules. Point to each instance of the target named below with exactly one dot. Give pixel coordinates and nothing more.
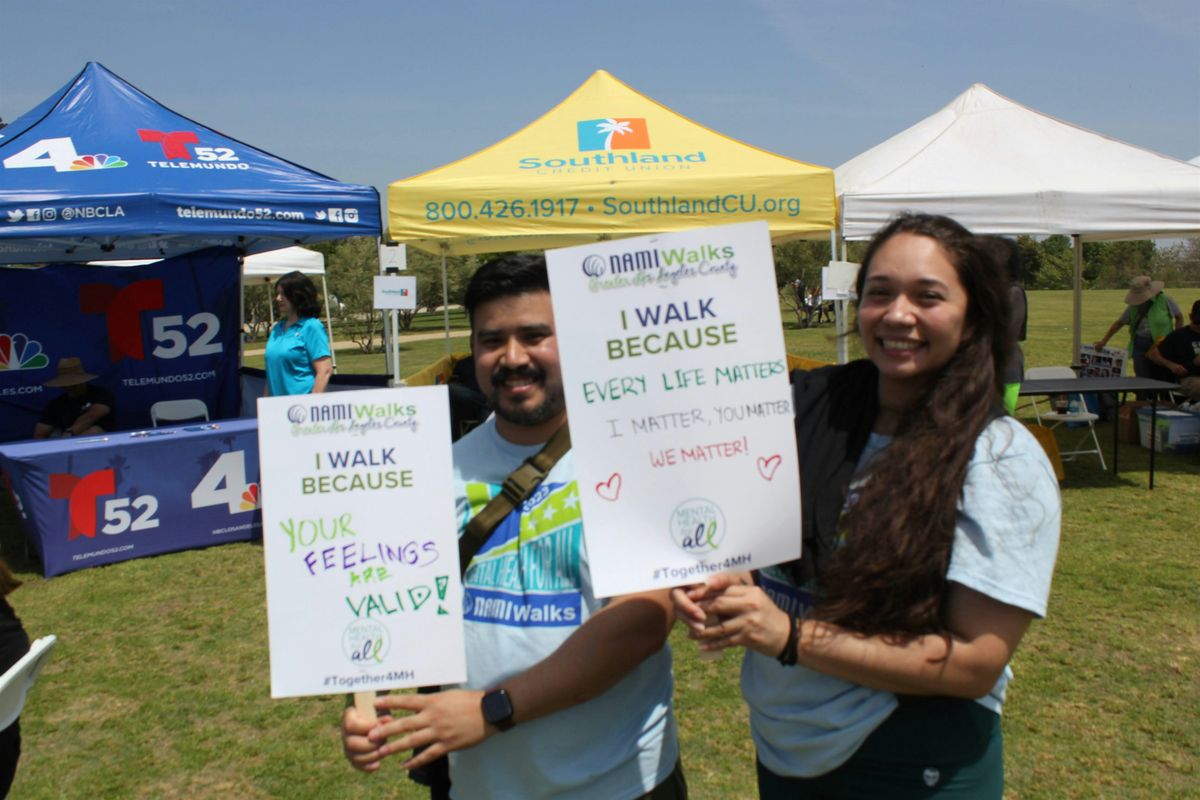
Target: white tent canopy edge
(1001, 168)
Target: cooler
(1177, 432)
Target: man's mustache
(528, 371)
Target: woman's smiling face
(912, 313)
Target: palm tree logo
(613, 133)
(611, 127)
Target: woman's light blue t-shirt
(806, 723)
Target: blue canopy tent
(100, 170)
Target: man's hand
(441, 722)
(1178, 369)
(362, 753)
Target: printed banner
(93, 500)
(679, 404)
(360, 541)
(163, 331)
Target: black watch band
(497, 709)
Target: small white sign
(680, 410)
(393, 256)
(838, 279)
(360, 541)
(396, 291)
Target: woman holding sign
(876, 666)
(297, 358)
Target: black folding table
(1114, 386)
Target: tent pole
(329, 324)
(445, 298)
(242, 312)
(1076, 337)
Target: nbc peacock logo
(18, 351)
(98, 161)
(250, 499)
(613, 133)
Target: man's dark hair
(506, 276)
(1196, 313)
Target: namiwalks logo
(356, 418)
(624, 133)
(601, 138)
(660, 267)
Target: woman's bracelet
(791, 650)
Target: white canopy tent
(1001, 168)
(266, 268)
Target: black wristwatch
(497, 709)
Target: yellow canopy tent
(605, 163)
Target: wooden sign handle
(364, 704)
(711, 655)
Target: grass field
(159, 687)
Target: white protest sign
(360, 541)
(680, 410)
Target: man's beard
(551, 406)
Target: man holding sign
(566, 695)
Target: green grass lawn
(159, 687)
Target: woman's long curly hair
(889, 575)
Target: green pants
(936, 747)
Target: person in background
(1179, 354)
(1150, 314)
(877, 664)
(297, 356)
(1008, 255)
(578, 707)
(14, 643)
(82, 409)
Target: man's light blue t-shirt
(526, 591)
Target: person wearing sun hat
(1149, 313)
(81, 408)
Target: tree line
(1047, 263)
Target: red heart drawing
(767, 466)
(610, 489)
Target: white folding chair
(1077, 412)
(16, 683)
(168, 411)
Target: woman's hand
(728, 611)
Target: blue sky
(371, 91)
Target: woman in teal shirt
(298, 357)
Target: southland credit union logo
(613, 133)
(609, 143)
